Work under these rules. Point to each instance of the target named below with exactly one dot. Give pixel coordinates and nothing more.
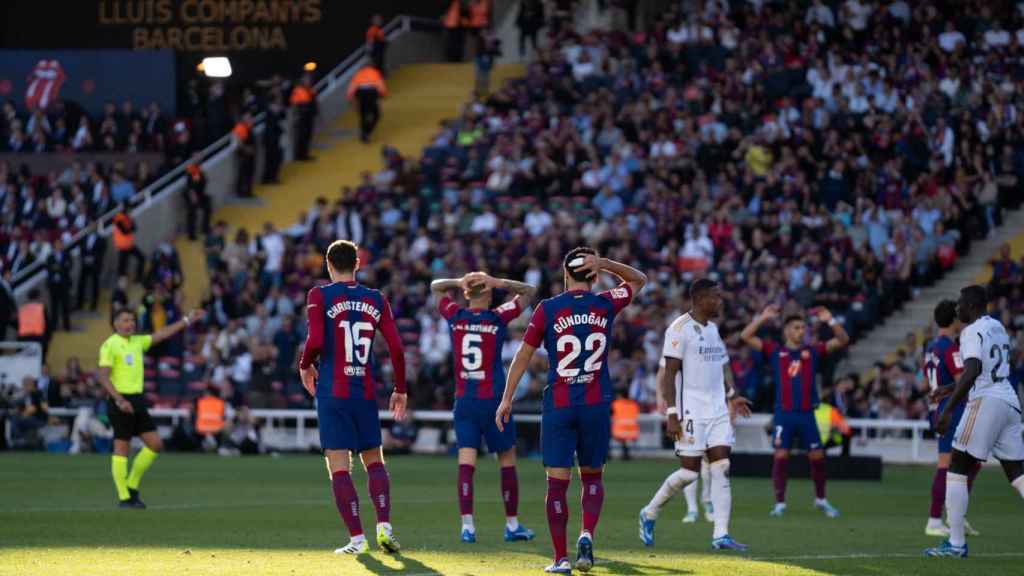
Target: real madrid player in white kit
(991, 424)
(698, 409)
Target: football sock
(972, 474)
(347, 501)
(780, 470)
(466, 489)
(690, 493)
(705, 481)
(938, 493)
(956, 507)
(119, 470)
(818, 475)
(721, 496)
(143, 460)
(510, 493)
(558, 514)
(675, 482)
(380, 491)
(592, 499)
(1018, 484)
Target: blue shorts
(583, 431)
(474, 419)
(348, 423)
(800, 424)
(946, 440)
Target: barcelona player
(343, 319)
(575, 328)
(942, 366)
(794, 366)
(478, 334)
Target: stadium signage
(210, 25)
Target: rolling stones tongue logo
(44, 84)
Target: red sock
(466, 488)
(558, 514)
(780, 470)
(510, 491)
(972, 474)
(347, 501)
(380, 490)
(593, 498)
(938, 493)
(818, 475)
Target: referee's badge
(128, 359)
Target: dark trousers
(246, 166)
(272, 160)
(525, 35)
(304, 132)
(140, 262)
(43, 341)
(202, 205)
(456, 44)
(369, 112)
(88, 278)
(60, 305)
(377, 56)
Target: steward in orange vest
(303, 101)
(246, 154)
(210, 414)
(32, 321)
(625, 422)
(367, 87)
(123, 232)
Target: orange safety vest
(451, 17)
(241, 131)
(367, 77)
(301, 95)
(31, 320)
(375, 34)
(479, 14)
(625, 426)
(122, 240)
(209, 415)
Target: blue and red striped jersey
(794, 371)
(942, 362)
(343, 318)
(477, 338)
(575, 328)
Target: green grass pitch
(212, 515)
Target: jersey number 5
(358, 337)
(472, 355)
(595, 343)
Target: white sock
(1019, 485)
(705, 481)
(956, 507)
(587, 534)
(721, 496)
(675, 482)
(512, 522)
(690, 492)
(467, 522)
(821, 500)
(357, 539)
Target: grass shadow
(409, 566)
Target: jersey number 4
(358, 338)
(595, 344)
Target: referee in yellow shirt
(121, 373)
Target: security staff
(367, 88)
(121, 374)
(303, 101)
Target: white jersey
(986, 340)
(700, 391)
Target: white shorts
(699, 435)
(990, 426)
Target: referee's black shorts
(129, 424)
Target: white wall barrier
(895, 441)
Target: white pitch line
(870, 555)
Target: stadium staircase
(421, 96)
(883, 342)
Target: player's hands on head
(823, 314)
(592, 266)
(502, 415)
(309, 376)
(771, 311)
(397, 405)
